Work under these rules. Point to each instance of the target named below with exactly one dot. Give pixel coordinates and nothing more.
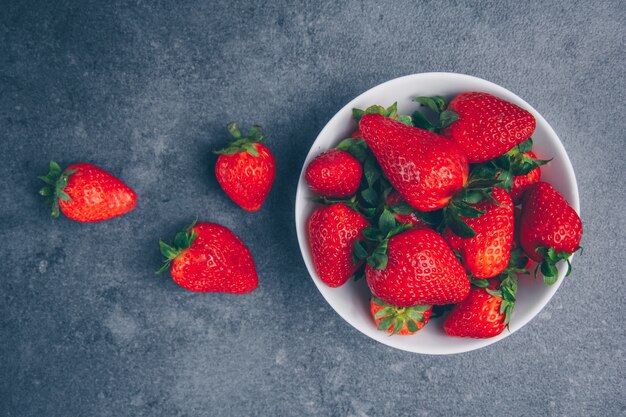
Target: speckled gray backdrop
(145, 88)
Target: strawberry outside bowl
(351, 301)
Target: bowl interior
(351, 300)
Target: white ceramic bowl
(351, 300)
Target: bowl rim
(574, 201)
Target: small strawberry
(404, 213)
(417, 268)
(550, 229)
(483, 125)
(246, 168)
(425, 168)
(86, 193)
(487, 310)
(334, 174)
(332, 232)
(483, 314)
(207, 257)
(396, 320)
(487, 253)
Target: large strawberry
(334, 173)
(425, 168)
(332, 232)
(483, 125)
(487, 253)
(419, 268)
(488, 126)
(86, 193)
(207, 257)
(396, 320)
(246, 168)
(550, 229)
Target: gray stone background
(144, 89)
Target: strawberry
(332, 232)
(487, 253)
(425, 168)
(482, 314)
(395, 320)
(86, 193)
(550, 229)
(484, 126)
(404, 213)
(487, 126)
(517, 215)
(418, 268)
(246, 168)
(334, 174)
(207, 257)
(487, 309)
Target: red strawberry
(246, 168)
(334, 174)
(396, 202)
(522, 182)
(395, 320)
(483, 314)
(487, 126)
(421, 269)
(332, 232)
(425, 168)
(487, 253)
(550, 229)
(207, 257)
(86, 193)
(356, 134)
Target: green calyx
(397, 316)
(515, 163)
(182, 241)
(391, 112)
(438, 106)
(374, 247)
(479, 187)
(243, 143)
(56, 181)
(548, 265)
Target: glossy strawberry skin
(477, 316)
(412, 219)
(216, 261)
(334, 174)
(375, 308)
(487, 254)
(487, 126)
(523, 182)
(247, 179)
(96, 195)
(427, 169)
(548, 221)
(421, 270)
(332, 232)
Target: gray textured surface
(145, 90)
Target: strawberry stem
(243, 143)
(56, 180)
(182, 241)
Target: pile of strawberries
(424, 207)
(205, 257)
